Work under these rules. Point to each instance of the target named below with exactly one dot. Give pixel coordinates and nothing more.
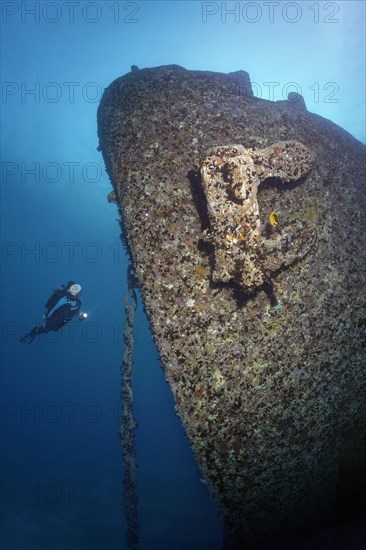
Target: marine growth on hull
(231, 176)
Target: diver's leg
(28, 338)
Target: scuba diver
(62, 306)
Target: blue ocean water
(61, 460)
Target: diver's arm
(81, 314)
(77, 311)
(71, 311)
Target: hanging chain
(128, 424)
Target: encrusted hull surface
(268, 376)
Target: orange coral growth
(199, 306)
(200, 272)
(198, 392)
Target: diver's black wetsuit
(68, 307)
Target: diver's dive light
(83, 316)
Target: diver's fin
(30, 336)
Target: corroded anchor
(231, 176)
